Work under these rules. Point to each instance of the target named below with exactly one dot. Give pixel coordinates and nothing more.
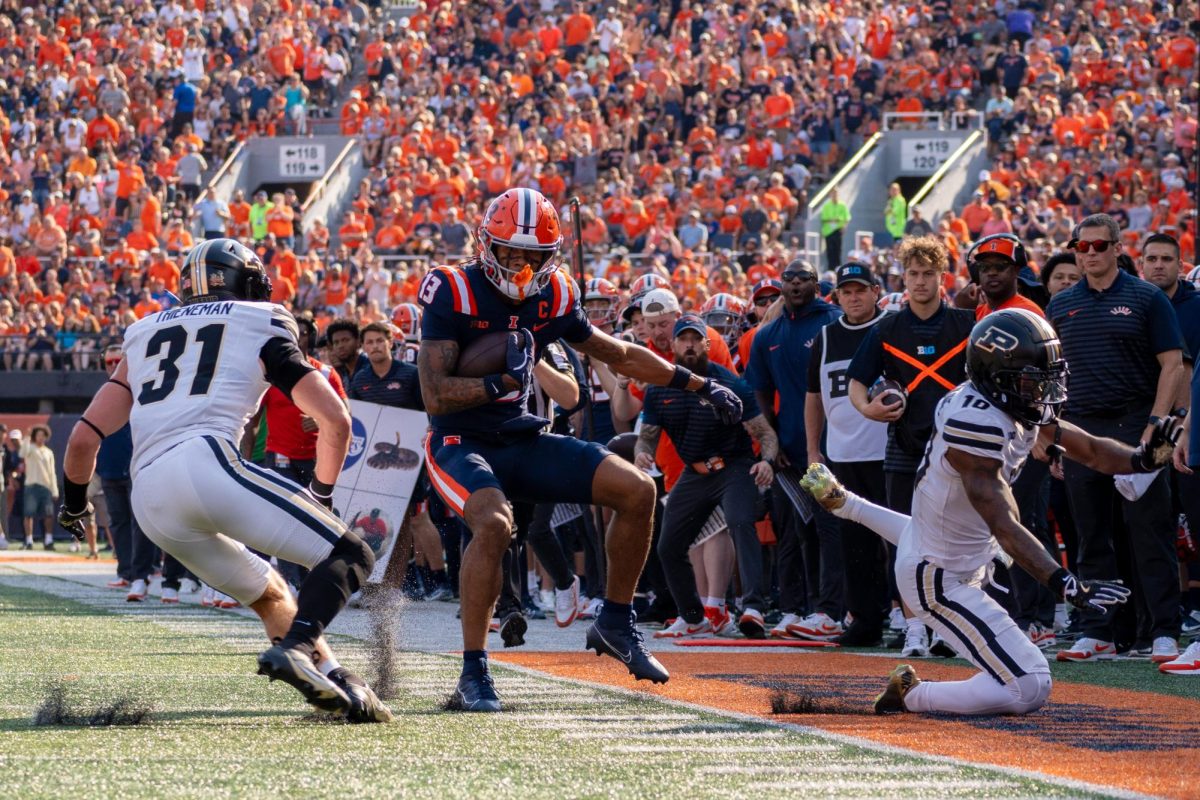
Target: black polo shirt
(1111, 339)
(693, 426)
(399, 388)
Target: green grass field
(217, 730)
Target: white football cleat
(896, 621)
(170, 596)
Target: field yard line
(859, 768)
(855, 741)
(691, 748)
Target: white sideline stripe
(582, 719)
(873, 787)
(68, 586)
(792, 749)
(673, 735)
(873, 767)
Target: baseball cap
(657, 302)
(15, 435)
(764, 286)
(854, 272)
(690, 322)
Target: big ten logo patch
(839, 383)
(358, 443)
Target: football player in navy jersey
(484, 446)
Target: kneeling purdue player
(964, 516)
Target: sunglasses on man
(1098, 245)
(765, 301)
(798, 275)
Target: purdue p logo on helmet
(223, 269)
(1014, 358)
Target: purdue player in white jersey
(964, 516)
(190, 379)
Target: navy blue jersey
(461, 305)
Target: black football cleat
(296, 669)
(476, 692)
(625, 644)
(512, 629)
(365, 706)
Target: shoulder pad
(447, 286)
(564, 293)
(979, 426)
(282, 320)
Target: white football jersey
(194, 370)
(946, 529)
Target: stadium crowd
(695, 135)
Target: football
(892, 392)
(484, 356)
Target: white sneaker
(817, 626)
(1041, 636)
(1163, 650)
(722, 622)
(682, 629)
(916, 642)
(1088, 649)
(170, 596)
(137, 591)
(896, 620)
(783, 629)
(545, 600)
(188, 586)
(73, 547)
(589, 608)
(566, 604)
(1188, 663)
(225, 601)
(208, 597)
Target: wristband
(494, 386)
(681, 378)
(320, 489)
(74, 495)
(1057, 582)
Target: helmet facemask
(1033, 395)
(523, 282)
(725, 323)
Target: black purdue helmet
(1015, 360)
(223, 269)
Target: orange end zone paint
(1125, 739)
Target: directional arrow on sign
(289, 152)
(314, 168)
(919, 146)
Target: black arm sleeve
(285, 364)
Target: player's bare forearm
(1101, 454)
(442, 391)
(858, 396)
(631, 360)
(108, 412)
(992, 498)
(764, 434)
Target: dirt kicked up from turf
(1139, 741)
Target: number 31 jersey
(946, 529)
(195, 370)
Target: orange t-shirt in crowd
(167, 271)
(279, 221)
(1016, 301)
